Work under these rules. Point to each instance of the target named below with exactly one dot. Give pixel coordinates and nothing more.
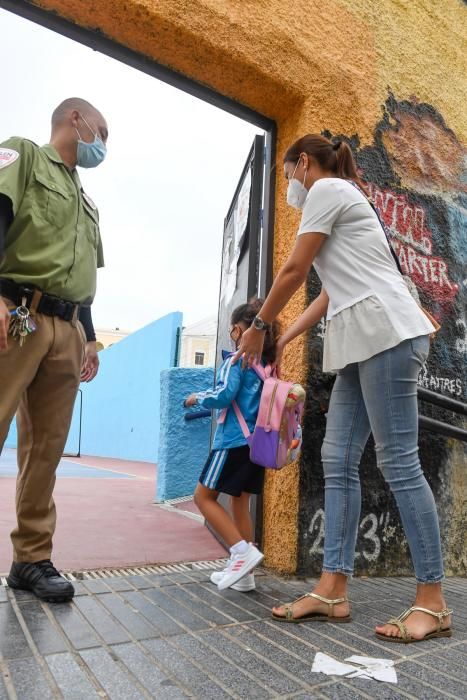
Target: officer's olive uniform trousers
(39, 381)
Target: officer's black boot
(43, 579)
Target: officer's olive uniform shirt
(54, 241)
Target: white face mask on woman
(296, 191)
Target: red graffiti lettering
(412, 241)
(406, 220)
(430, 274)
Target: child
(228, 468)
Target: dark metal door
(244, 245)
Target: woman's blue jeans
(379, 396)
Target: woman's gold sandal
(318, 616)
(406, 637)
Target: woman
(377, 339)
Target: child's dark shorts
(232, 472)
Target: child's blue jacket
(233, 382)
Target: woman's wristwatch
(260, 325)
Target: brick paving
(173, 635)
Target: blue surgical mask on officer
(90, 155)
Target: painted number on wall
(374, 530)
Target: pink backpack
(277, 437)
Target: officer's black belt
(48, 304)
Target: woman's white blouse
(370, 307)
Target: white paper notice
(326, 664)
(365, 667)
(379, 669)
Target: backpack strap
(240, 418)
(263, 373)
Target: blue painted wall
(120, 416)
(184, 445)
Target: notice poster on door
(234, 238)
(241, 244)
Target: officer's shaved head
(72, 104)
(73, 117)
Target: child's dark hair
(245, 313)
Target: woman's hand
(251, 347)
(191, 400)
(280, 347)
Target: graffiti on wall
(416, 173)
(373, 533)
(413, 243)
(420, 187)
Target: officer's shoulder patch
(7, 157)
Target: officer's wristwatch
(260, 325)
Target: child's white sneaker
(240, 565)
(217, 575)
(247, 583)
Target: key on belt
(21, 323)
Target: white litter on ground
(365, 667)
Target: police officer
(50, 249)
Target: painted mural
(417, 176)
(416, 173)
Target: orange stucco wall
(309, 65)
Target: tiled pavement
(171, 636)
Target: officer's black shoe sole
(47, 597)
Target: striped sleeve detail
(228, 384)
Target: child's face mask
(236, 335)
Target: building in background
(198, 348)
(106, 337)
